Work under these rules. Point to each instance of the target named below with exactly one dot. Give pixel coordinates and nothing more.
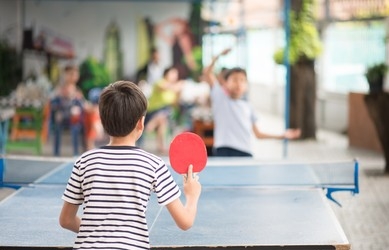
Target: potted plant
(377, 104)
(375, 77)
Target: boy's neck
(70, 83)
(122, 141)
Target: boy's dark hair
(153, 50)
(233, 71)
(224, 69)
(121, 105)
(70, 67)
(167, 70)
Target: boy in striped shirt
(114, 182)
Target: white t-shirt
(154, 73)
(114, 184)
(233, 119)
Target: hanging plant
(304, 38)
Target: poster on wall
(183, 37)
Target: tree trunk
(303, 91)
(378, 107)
(303, 98)
(296, 5)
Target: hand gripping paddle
(187, 148)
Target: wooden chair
(29, 129)
(205, 131)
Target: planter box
(361, 129)
(378, 106)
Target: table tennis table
(245, 203)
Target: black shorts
(165, 110)
(230, 152)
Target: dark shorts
(230, 152)
(165, 110)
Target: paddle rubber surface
(185, 149)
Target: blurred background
(111, 40)
(326, 85)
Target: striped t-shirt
(114, 184)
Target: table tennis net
(280, 174)
(227, 173)
(330, 176)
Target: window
(255, 54)
(261, 68)
(349, 48)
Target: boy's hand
(184, 216)
(225, 51)
(292, 133)
(192, 186)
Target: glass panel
(214, 44)
(261, 68)
(350, 48)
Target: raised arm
(184, 215)
(208, 74)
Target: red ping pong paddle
(185, 149)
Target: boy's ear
(141, 123)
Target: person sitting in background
(164, 95)
(67, 110)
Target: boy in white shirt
(234, 119)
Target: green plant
(304, 37)
(93, 74)
(375, 73)
(10, 68)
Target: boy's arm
(184, 215)
(175, 86)
(68, 218)
(208, 74)
(288, 134)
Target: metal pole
(211, 28)
(242, 38)
(287, 76)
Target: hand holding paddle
(188, 156)
(192, 187)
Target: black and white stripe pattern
(114, 183)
